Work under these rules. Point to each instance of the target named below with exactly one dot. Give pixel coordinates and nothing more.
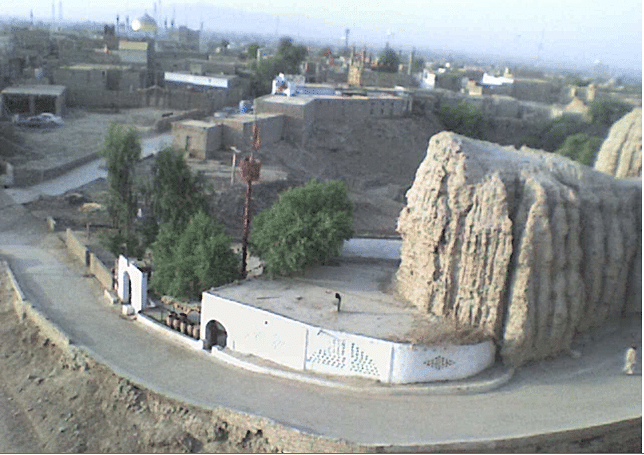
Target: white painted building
(220, 81)
(243, 328)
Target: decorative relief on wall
(333, 355)
(439, 362)
(362, 363)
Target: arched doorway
(126, 287)
(215, 335)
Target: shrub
(551, 135)
(188, 262)
(605, 111)
(581, 148)
(305, 227)
(464, 118)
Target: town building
(33, 100)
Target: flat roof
(365, 308)
(196, 123)
(247, 118)
(305, 99)
(97, 66)
(48, 90)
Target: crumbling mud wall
(621, 153)
(528, 245)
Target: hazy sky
(579, 31)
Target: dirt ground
(63, 402)
(82, 135)
(377, 159)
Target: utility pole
(250, 168)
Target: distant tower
(60, 11)
(53, 12)
(155, 11)
(117, 25)
(346, 37)
(411, 60)
(540, 50)
(31, 17)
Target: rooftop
(97, 66)
(196, 123)
(49, 90)
(365, 308)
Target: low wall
(304, 347)
(165, 124)
(100, 271)
(25, 310)
(171, 334)
(25, 176)
(76, 248)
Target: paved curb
(378, 388)
(442, 388)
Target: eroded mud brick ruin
(528, 246)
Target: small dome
(144, 23)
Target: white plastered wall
(129, 276)
(305, 347)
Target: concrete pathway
(82, 174)
(372, 248)
(544, 397)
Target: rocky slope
(621, 153)
(529, 246)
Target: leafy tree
(551, 135)
(388, 60)
(581, 148)
(305, 227)
(286, 60)
(251, 50)
(175, 195)
(290, 55)
(190, 261)
(417, 65)
(605, 111)
(122, 150)
(464, 118)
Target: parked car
(43, 120)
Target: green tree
(286, 60)
(464, 118)
(251, 50)
(551, 135)
(175, 194)
(187, 263)
(305, 227)
(417, 65)
(388, 60)
(290, 56)
(581, 148)
(605, 111)
(122, 150)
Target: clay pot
(175, 323)
(168, 320)
(195, 332)
(183, 326)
